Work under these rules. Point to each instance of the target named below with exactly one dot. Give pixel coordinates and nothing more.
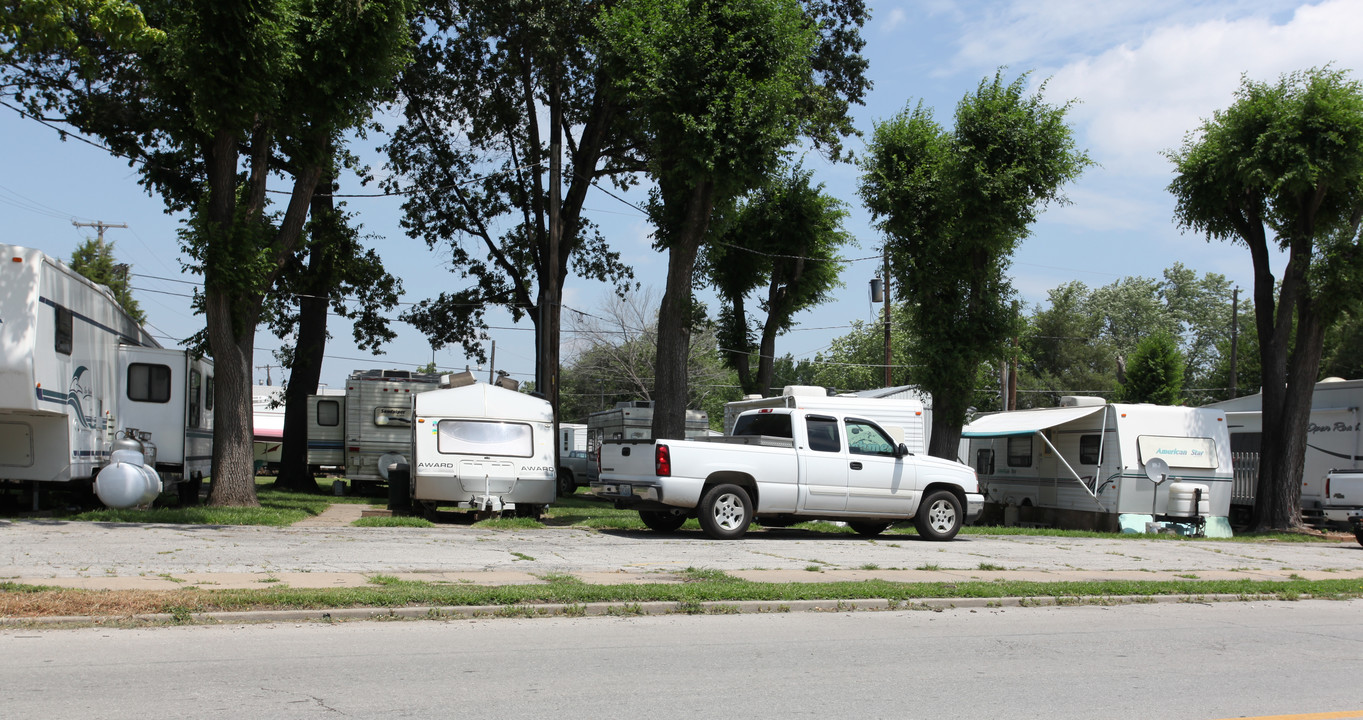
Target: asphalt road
(45, 549)
(1187, 661)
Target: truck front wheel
(725, 512)
(663, 520)
(939, 517)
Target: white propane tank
(122, 483)
(1182, 497)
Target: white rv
(482, 447)
(267, 425)
(1333, 442)
(632, 420)
(75, 369)
(1093, 465)
(905, 416)
(369, 429)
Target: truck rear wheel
(663, 520)
(869, 528)
(939, 517)
(567, 484)
(725, 512)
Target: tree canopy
(210, 100)
(783, 239)
(953, 205)
(95, 260)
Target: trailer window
(148, 383)
(393, 417)
(1020, 451)
(823, 434)
(208, 395)
(328, 413)
(65, 330)
(764, 424)
(863, 438)
(984, 461)
(195, 385)
(484, 437)
(1088, 449)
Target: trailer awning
(1025, 422)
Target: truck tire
(663, 520)
(725, 512)
(567, 484)
(869, 528)
(939, 516)
(1358, 534)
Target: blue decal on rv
(73, 397)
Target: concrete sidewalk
(317, 580)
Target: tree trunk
(945, 439)
(234, 481)
(670, 390)
(306, 372)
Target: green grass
(387, 592)
(393, 521)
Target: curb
(744, 607)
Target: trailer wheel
(725, 512)
(939, 517)
(869, 528)
(663, 520)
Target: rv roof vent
(456, 380)
(804, 391)
(1081, 401)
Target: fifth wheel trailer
(1334, 445)
(76, 369)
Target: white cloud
(1140, 98)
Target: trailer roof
(1025, 422)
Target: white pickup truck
(787, 465)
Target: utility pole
(100, 227)
(887, 315)
(1234, 336)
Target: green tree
(95, 260)
(334, 273)
(506, 127)
(1064, 350)
(783, 239)
(1155, 372)
(211, 99)
(856, 360)
(1283, 166)
(717, 91)
(953, 206)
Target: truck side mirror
(901, 450)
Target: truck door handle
(856, 466)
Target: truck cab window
(764, 424)
(823, 434)
(863, 438)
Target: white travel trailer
(906, 416)
(1333, 442)
(267, 425)
(1093, 465)
(482, 447)
(632, 420)
(370, 428)
(75, 369)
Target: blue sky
(1143, 74)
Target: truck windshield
(763, 424)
